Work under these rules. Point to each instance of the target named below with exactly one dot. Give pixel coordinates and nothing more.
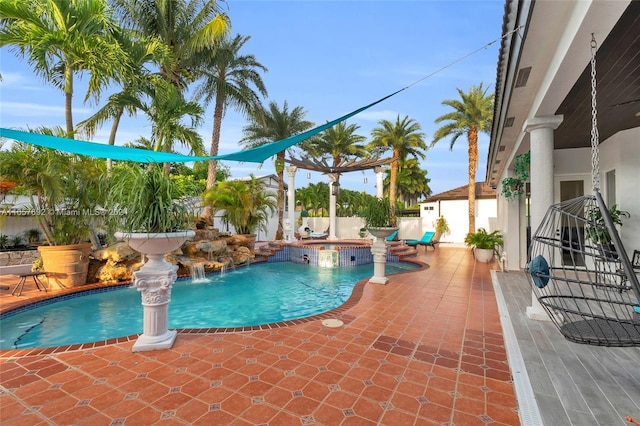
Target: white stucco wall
(456, 212)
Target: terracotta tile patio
(426, 349)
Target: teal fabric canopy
(94, 149)
(99, 150)
(261, 153)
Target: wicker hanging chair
(579, 269)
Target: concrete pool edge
(352, 301)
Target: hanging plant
(514, 187)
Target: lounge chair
(319, 235)
(392, 237)
(428, 239)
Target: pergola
(345, 165)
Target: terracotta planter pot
(66, 266)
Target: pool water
(255, 295)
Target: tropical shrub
(146, 199)
(247, 205)
(484, 240)
(64, 189)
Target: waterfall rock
(118, 262)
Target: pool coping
(352, 301)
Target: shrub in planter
(377, 214)
(483, 240)
(597, 232)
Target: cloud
(28, 109)
(18, 81)
(378, 115)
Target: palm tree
(473, 113)
(270, 125)
(403, 138)
(247, 205)
(338, 142)
(314, 197)
(412, 181)
(136, 83)
(166, 112)
(186, 27)
(229, 79)
(61, 38)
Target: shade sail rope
(253, 155)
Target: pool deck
(428, 348)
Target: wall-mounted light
(308, 175)
(366, 180)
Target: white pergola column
(540, 131)
(291, 172)
(379, 181)
(333, 177)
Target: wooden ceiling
(618, 87)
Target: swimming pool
(260, 294)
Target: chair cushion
(539, 270)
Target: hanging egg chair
(579, 269)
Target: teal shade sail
(261, 153)
(100, 150)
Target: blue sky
(330, 57)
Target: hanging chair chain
(595, 148)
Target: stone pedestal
(379, 252)
(154, 281)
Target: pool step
(402, 251)
(269, 249)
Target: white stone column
(379, 181)
(291, 172)
(379, 252)
(333, 177)
(154, 281)
(509, 212)
(540, 131)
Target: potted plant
(597, 232)
(64, 191)
(363, 232)
(514, 187)
(246, 205)
(442, 228)
(153, 217)
(381, 223)
(378, 218)
(484, 244)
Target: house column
(379, 178)
(540, 131)
(509, 212)
(333, 177)
(291, 191)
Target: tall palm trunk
(393, 183)
(280, 171)
(215, 144)
(112, 134)
(68, 100)
(473, 165)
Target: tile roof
(483, 191)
